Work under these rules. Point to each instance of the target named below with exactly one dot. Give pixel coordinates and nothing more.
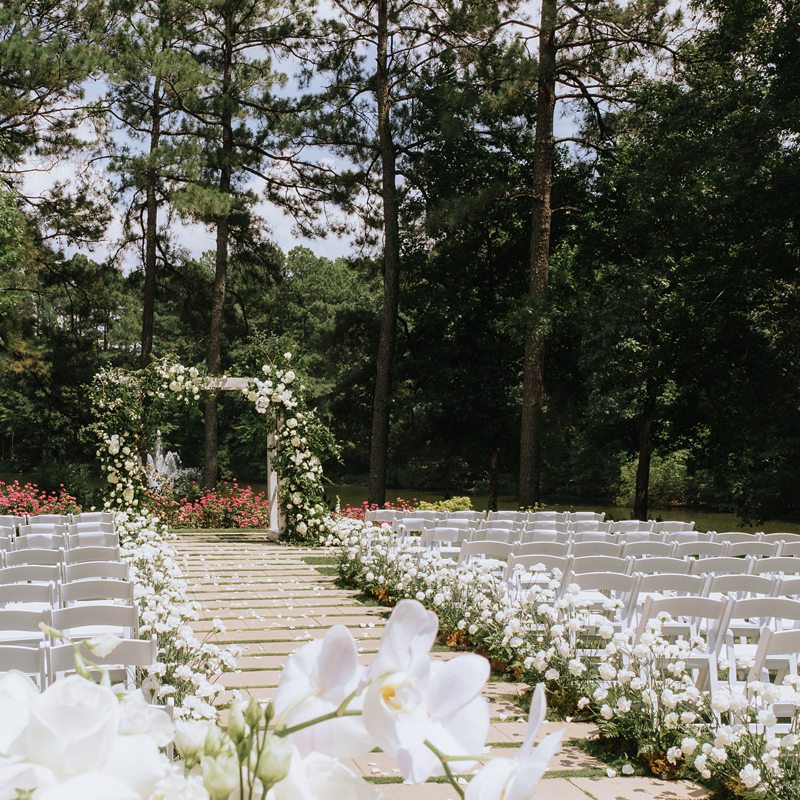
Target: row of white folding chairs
(47, 661)
(16, 520)
(60, 555)
(57, 527)
(57, 587)
(56, 541)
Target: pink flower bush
(358, 512)
(18, 499)
(226, 506)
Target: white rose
(289, 376)
(73, 725)
(291, 422)
(17, 694)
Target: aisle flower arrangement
(18, 499)
(648, 710)
(187, 666)
(81, 739)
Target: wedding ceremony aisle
(273, 598)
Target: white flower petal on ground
(316, 680)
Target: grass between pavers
(589, 772)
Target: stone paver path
(272, 600)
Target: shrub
(29, 498)
(226, 506)
(670, 483)
(453, 504)
(358, 512)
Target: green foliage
(453, 504)
(670, 483)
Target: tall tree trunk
(494, 459)
(539, 265)
(214, 358)
(379, 445)
(151, 230)
(645, 452)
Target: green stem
(447, 771)
(316, 721)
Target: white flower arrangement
(79, 739)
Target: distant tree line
(576, 235)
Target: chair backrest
(535, 563)
(759, 549)
(589, 525)
(586, 516)
(129, 653)
(90, 570)
(786, 587)
(549, 516)
(508, 516)
(542, 548)
(673, 582)
(464, 524)
(547, 525)
(696, 549)
(773, 645)
(53, 541)
(543, 536)
(467, 515)
(88, 618)
(615, 585)
(382, 515)
(489, 549)
(776, 609)
(490, 523)
(672, 526)
(96, 589)
(81, 554)
(650, 565)
(693, 609)
(596, 536)
(76, 540)
(40, 593)
(33, 555)
(601, 564)
(640, 536)
(580, 549)
(647, 548)
(675, 537)
(434, 515)
(11, 520)
(493, 535)
(48, 519)
(623, 526)
(30, 660)
(781, 537)
(93, 516)
(90, 527)
(721, 565)
(439, 535)
(786, 565)
(412, 524)
(789, 548)
(22, 619)
(30, 573)
(741, 585)
(734, 537)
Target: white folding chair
(757, 549)
(559, 517)
(589, 526)
(690, 617)
(666, 584)
(789, 538)
(469, 516)
(672, 526)
(786, 587)
(686, 536)
(788, 548)
(463, 524)
(30, 573)
(493, 535)
(382, 515)
(33, 555)
(32, 661)
(429, 515)
(524, 571)
(47, 519)
(11, 520)
(46, 528)
(597, 536)
(92, 570)
(634, 537)
(122, 662)
(580, 549)
(781, 565)
(599, 590)
(775, 661)
(28, 596)
(410, 525)
(560, 549)
(722, 565)
(735, 537)
(90, 527)
(96, 590)
(700, 549)
(40, 541)
(652, 565)
(490, 523)
(92, 516)
(601, 564)
(547, 525)
(630, 525)
(20, 626)
(543, 536)
(498, 551)
(647, 549)
(586, 516)
(89, 621)
(98, 539)
(81, 554)
(740, 586)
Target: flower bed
(358, 512)
(650, 714)
(227, 506)
(18, 499)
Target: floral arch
(127, 405)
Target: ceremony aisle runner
(273, 598)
